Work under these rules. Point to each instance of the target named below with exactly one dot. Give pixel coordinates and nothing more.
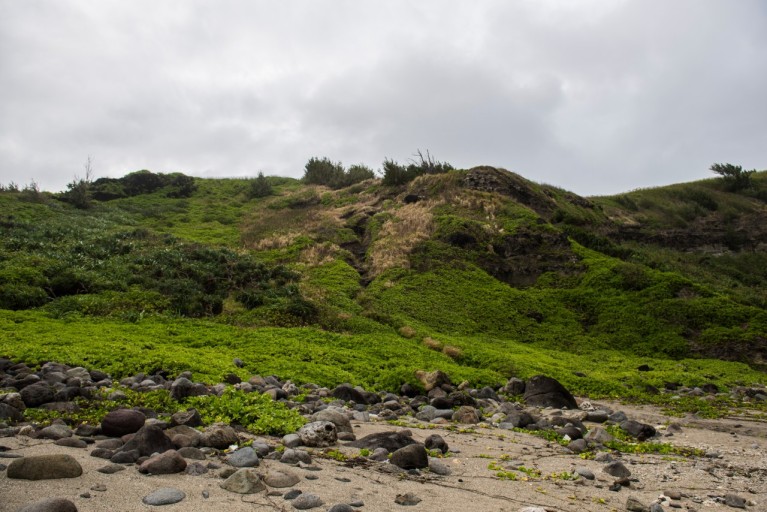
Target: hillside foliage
(342, 277)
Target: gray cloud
(596, 96)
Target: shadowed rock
(544, 391)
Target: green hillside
(480, 273)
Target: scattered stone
(165, 463)
(617, 469)
(413, 456)
(306, 501)
(585, 473)
(598, 435)
(347, 393)
(244, 481)
(99, 487)
(37, 394)
(71, 442)
(438, 467)
(164, 496)
(390, 441)
(190, 418)
(408, 499)
(578, 446)
(122, 421)
(292, 494)
(243, 458)
(634, 505)
(318, 434)
(436, 442)
(336, 417)
(111, 469)
(44, 467)
(125, 457)
(280, 478)
(639, 430)
(673, 494)
(466, 414)
(190, 452)
(55, 432)
(219, 436)
(545, 391)
(50, 505)
(341, 507)
(291, 456)
(291, 441)
(532, 509)
(148, 440)
(734, 501)
(196, 469)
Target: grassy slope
(602, 317)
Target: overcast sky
(594, 96)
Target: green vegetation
(255, 412)
(479, 273)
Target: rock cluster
(135, 437)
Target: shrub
(322, 171)
(735, 178)
(398, 174)
(407, 332)
(260, 187)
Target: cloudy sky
(596, 96)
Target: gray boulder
(244, 481)
(318, 434)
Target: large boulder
(346, 393)
(334, 416)
(413, 456)
(165, 463)
(150, 439)
(318, 434)
(390, 441)
(44, 467)
(545, 391)
(219, 436)
(37, 394)
(121, 422)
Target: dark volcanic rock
(544, 391)
(413, 456)
(390, 441)
(346, 392)
(122, 421)
(639, 430)
(148, 440)
(435, 442)
(37, 394)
